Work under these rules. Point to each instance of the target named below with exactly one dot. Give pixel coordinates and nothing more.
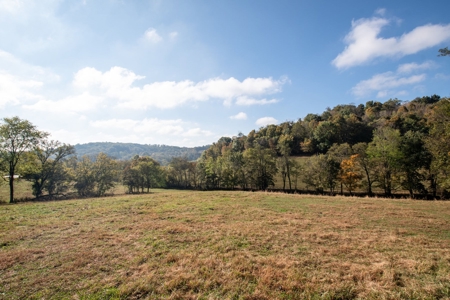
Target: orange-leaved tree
(350, 175)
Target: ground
(225, 245)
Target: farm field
(225, 245)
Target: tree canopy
(17, 137)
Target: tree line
(390, 146)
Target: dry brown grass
(225, 245)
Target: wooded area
(393, 146)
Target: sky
(187, 72)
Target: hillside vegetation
(126, 151)
(225, 245)
(394, 148)
(391, 146)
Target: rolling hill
(161, 153)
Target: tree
(444, 52)
(285, 162)
(349, 174)
(321, 171)
(95, 178)
(339, 152)
(385, 151)
(84, 177)
(325, 135)
(47, 171)
(261, 166)
(17, 137)
(180, 168)
(105, 171)
(142, 173)
(365, 163)
(415, 157)
(438, 145)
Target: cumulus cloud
(364, 43)
(239, 116)
(152, 36)
(117, 83)
(266, 121)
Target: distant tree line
(390, 146)
(126, 151)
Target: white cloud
(411, 67)
(152, 35)
(14, 90)
(384, 83)
(117, 83)
(239, 116)
(266, 121)
(244, 100)
(364, 43)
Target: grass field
(225, 245)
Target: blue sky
(187, 72)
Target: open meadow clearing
(225, 245)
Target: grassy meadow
(225, 245)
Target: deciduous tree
(385, 151)
(17, 137)
(47, 170)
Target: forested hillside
(391, 146)
(125, 151)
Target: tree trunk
(289, 174)
(11, 189)
(11, 182)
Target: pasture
(225, 245)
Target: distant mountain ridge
(123, 151)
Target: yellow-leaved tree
(350, 174)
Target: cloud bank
(118, 83)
